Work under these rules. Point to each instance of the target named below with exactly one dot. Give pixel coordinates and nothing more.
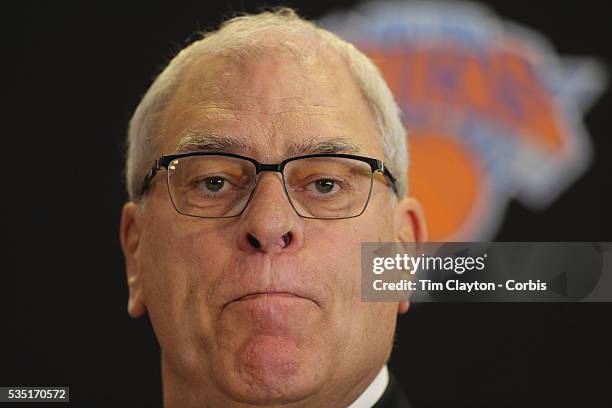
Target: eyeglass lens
(317, 187)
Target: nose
(269, 224)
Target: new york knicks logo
(492, 112)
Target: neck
(181, 392)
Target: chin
(273, 369)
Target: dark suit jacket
(393, 397)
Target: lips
(280, 280)
(266, 294)
(273, 294)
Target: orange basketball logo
(491, 112)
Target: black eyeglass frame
(164, 161)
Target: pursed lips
(273, 294)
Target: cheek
(179, 263)
(334, 253)
(366, 327)
(336, 247)
(161, 269)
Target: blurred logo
(492, 112)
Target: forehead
(271, 102)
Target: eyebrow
(325, 145)
(198, 141)
(195, 141)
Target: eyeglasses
(220, 185)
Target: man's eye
(213, 184)
(325, 186)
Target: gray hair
(245, 36)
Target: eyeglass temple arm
(149, 176)
(388, 175)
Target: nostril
(254, 241)
(287, 238)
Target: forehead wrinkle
(236, 104)
(194, 140)
(217, 97)
(284, 104)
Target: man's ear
(130, 230)
(409, 226)
(409, 221)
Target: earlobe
(136, 306)
(130, 239)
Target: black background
(80, 74)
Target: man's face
(274, 323)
